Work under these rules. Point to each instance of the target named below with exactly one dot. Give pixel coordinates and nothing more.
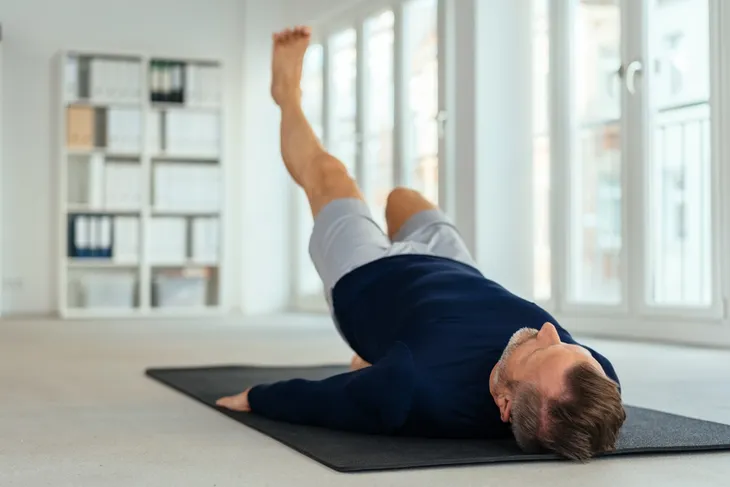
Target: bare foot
(289, 49)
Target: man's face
(537, 357)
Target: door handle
(629, 74)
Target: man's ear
(504, 402)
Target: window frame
(636, 307)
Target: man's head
(556, 395)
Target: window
(342, 138)
(636, 132)
(355, 94)
(681, 160)
(541, 150)
(422, 75)
(595, 200)
(379, 107)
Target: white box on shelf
(123, 186)
(71, 78)
(186, 187)
(107, 290)
(206, 238)
(175, 290)
(124, 130)
(168, 239)
(210, 77)
(77, 184)
(131, 81)
(192, 133)
(95, 183)
(126, 239)
(192, 85)
(154, 134)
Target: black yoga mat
(645, 431)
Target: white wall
(35, 30)
(266, 184)
(308, 12)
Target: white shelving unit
(141, 204)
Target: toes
(289, 35)
(302, 31)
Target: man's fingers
(234, 403)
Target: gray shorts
(346, 237)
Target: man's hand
(357, 363)
(236, 403)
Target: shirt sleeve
(373, 400)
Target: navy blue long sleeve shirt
(434, 329)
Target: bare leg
(322, 176)
(402, 204)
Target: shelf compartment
(184, 287)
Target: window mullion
(561, 128)
(400, 98)
(361, 107)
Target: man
(453, 354)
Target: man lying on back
(453, 354)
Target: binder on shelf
(167, 81)
(79, 236)
(105, 238)
(95, 250)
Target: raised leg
(321, 175)
(402, 204)
(411, 217)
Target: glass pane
(596, 236)
(378, 170)
(313, 87)
(308, 282)
(342, 140)
(681, 247)
(541, 149)
(421, 148)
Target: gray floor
(75, 410)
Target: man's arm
(375, 399)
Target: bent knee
(401, 205)
(400, 197)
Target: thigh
(345, 237)
(434, 230)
